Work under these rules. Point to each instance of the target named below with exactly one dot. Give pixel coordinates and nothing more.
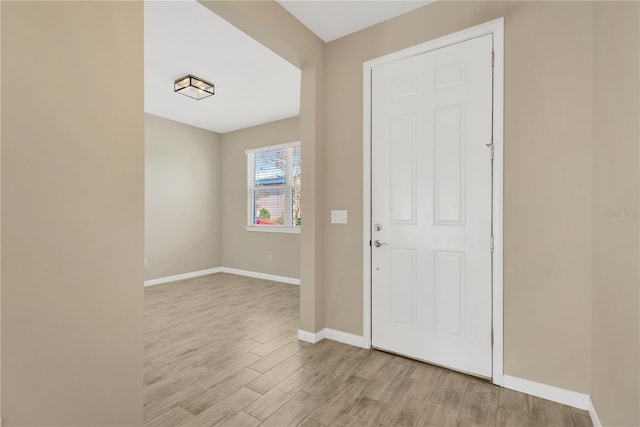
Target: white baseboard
(594, 415)
(549, 392)
(182, 276)
(264, 276)
(344, 337)
(236, 271)
(310, 336)
(333, 335)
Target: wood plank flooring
(222, 350)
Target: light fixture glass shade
(193, 87)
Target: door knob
(379, 243)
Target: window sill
(271, 229)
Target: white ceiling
(253, 85)
(330, 19)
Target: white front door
(431, 206)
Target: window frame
(289, 184)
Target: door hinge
(369, 243)
(491, 336)
(491, 243)
(493, 58)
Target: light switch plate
(338, 217)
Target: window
(273, 188)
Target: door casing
(495, 27)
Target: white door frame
(495, 27)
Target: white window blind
(273, 188)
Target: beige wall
(183, 192)
(547, 278)
(312, 268)
(615, 386)
(72, 213)
(195, 201)
(271, 253)
(0, 218)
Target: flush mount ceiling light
(193, 87)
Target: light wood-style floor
(223, 350)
